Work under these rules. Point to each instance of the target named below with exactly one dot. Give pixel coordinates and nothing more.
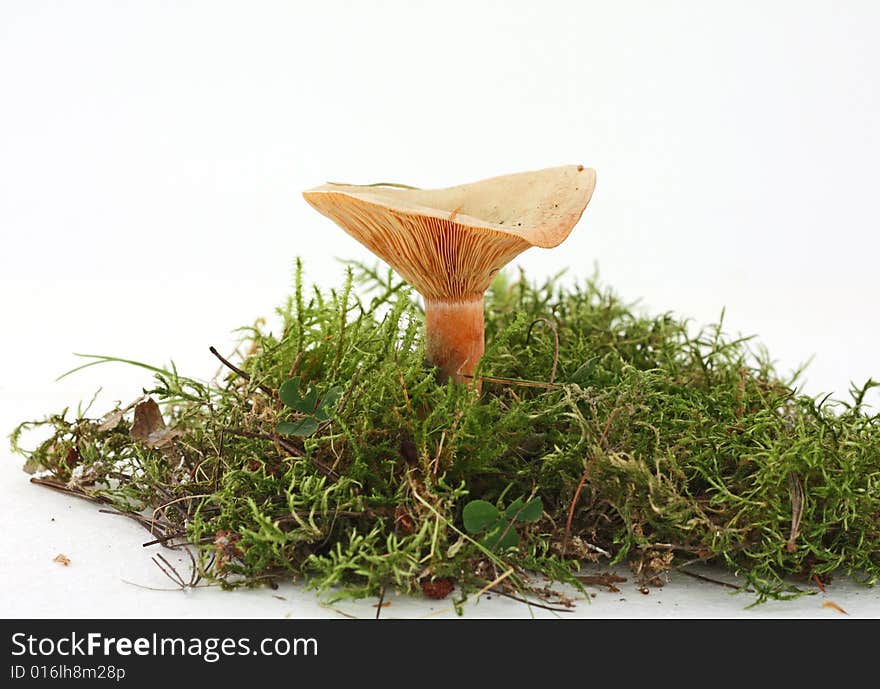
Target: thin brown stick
(293, 450)
(436, 461)
(531, 602)
(294, 367)
(403, 387)
(672, 546)
(170, 501)
(580, 486)
(726, 584)
(219, 458)
(259, 435)
(344, 402)
(797, 510)
(516, 381)
(235, 369)
(345, 614)
(64, 488)
(380, 603)
(162, 540)
(154, 588)
(149, 523)
(173, 574)
(174, 502)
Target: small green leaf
(479, 516)
(513, 508)
(288, 393)
(331, 397)
(302, 427)
(502, 537)
(328, 403)
(528, 512)
(310, 401)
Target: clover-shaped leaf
(522, 511)
(479, 516)
(289, 394)
(497, 528)
(304, 427)
(328, 403)
(501, 538)
(314, 406)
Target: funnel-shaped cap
(449, 243)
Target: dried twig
(64, 488)
(797, 510)
(286, 446)
(172, 573)
(151, 524)
(381, 603)
(532, 603)
(269, 391)
(516, 381)
(703, 577)
(580, 486)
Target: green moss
(643, 439)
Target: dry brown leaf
(110, 421)
(147, 419)
(161, 440)
(61, 559)
(149, 426)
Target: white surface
(152, 154)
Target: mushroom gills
(449, 243)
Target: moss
(643, 440)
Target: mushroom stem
(454, 336)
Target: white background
(152, 155)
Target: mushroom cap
(449, 243)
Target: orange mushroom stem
(449, 243)
(454, 340)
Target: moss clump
(641, 440)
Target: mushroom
(449, 243)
